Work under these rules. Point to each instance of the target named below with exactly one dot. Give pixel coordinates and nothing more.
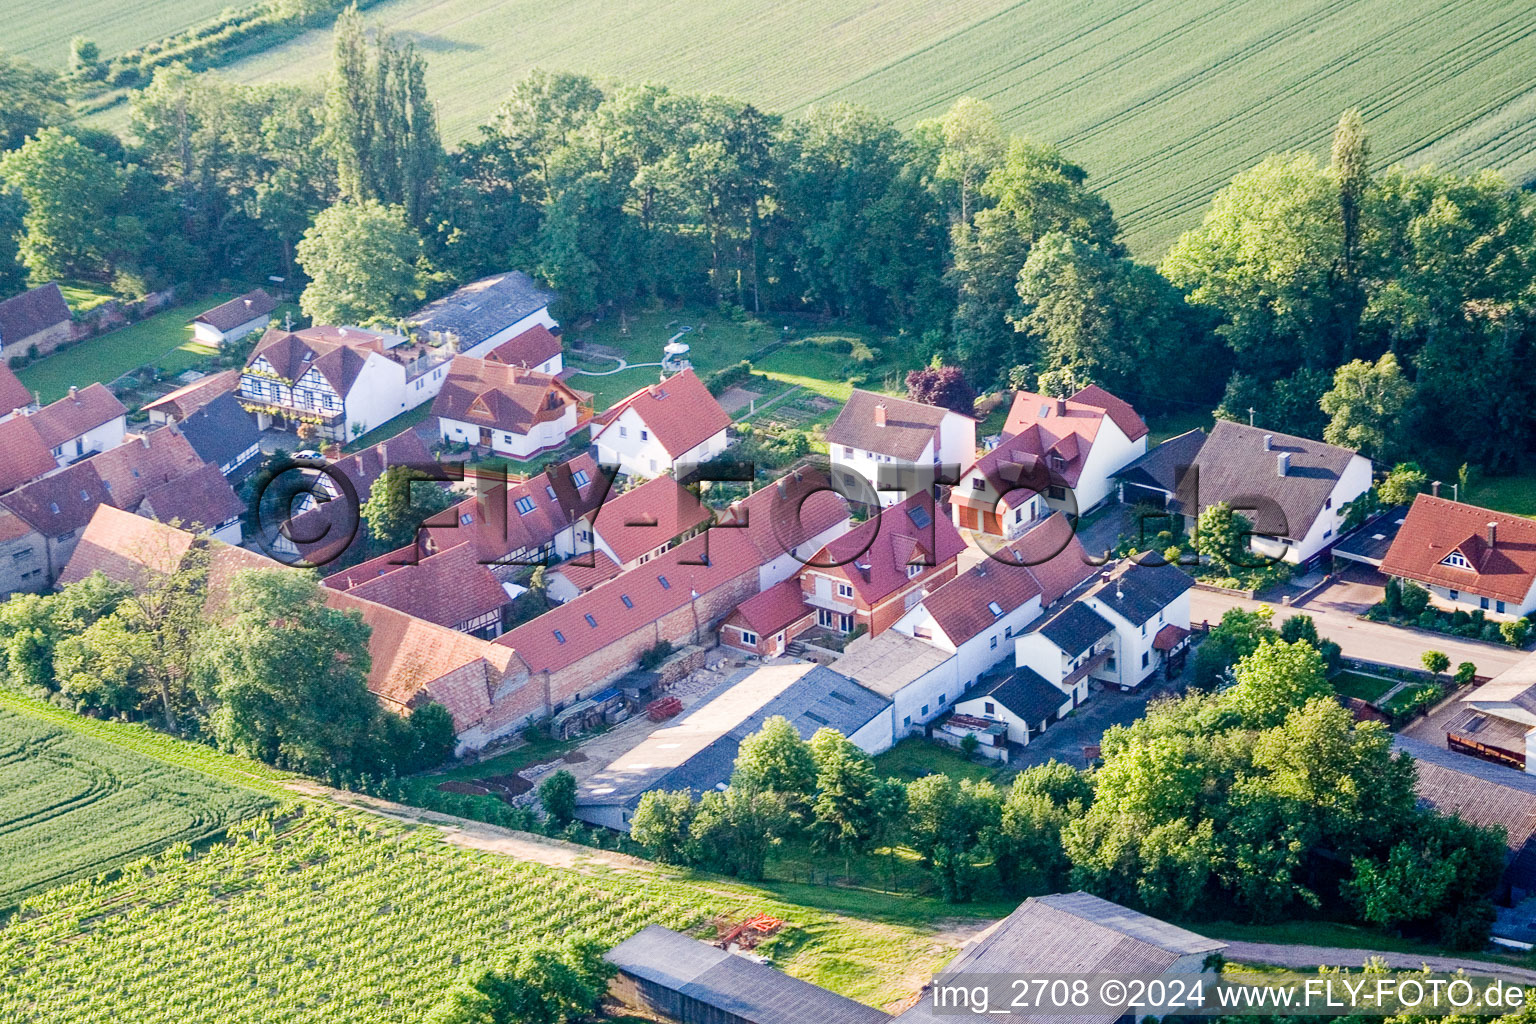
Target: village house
(185, 400)
(15, 399)
(1055, 454)
(630, 529)
(412, 662)
(506, 409)
(871, 576)
(885, 449)
(1470, 558)
(767, 624)
(233, 320)
(976, 615)
(537, 348)
(156, 474)
(1293, 489)
(1148, 606)
(35, 322)
(697, 752)
(671, 426)
(679, 596)
(86, 421)
(343, 380)
(483, 314)
(224, 435)
(451, 588)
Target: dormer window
(581, 478)
(1456, 560)
(524, 505)
(913, 570)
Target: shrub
(1515, 632)
(557, 795)
(1464, 673)
(655, 654)
(969, 744)
(1415, 599)
(724, 379)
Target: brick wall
(884, 615)
(593, 672)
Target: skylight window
(813, 716)
(627, 602)
(549, 491)
(524, 505)
(920, 517)
(465, 518)
(581, 477)
(559, 636)
(660, 579)
(994, 608)
(590, 621)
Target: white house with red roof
(1056, 453)
(627, 530)
(1470, 558)
(507, 409)
(233, 320)
(675, 422)
(537, 348)
(86, 421)
(887, 448)
(872, 575)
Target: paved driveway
(1352, 592)
(1064, 740)
(1371, 641)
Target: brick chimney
(880, 415)
(1283, 463)
(1434, 488)
(73, 392)
(1061, 407)
(1493, 535)
(1269, 444)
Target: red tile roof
(183, 402)
(679, 411)
(237, 311)
(1056, 556)
(1436, 529)
(1169, 637)
(58, 504)
(492, 521)
(337, 356)
(202, 499)
(13, 393)
(144, 462)
(1052, 437)
(503, 397)
(587, 569)
(531, 348)
(774, 609)
(1118, 409)
(788, 513)
(962, 607)
(73, 415)
(873, 556)
(27, 457)
(448, 588)
(643, 519)
(412, 660)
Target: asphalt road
(1372, 641)
(1309, 958)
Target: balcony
(1088, 667)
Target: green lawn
(1513, 494)
(1357, 684)
(83, 298)
(164, 340)
(1403, 697)
(913, 758)
(1173, 424)
(389, 428)
(1344, 936)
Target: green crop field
(331, 915)
(41, 32)
(72, 804)
(1162, 101)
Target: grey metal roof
(484, 307)
(1369, 543)
(1159, 468)
(221, 430)
(743, 988)
(1026, 693)
(1142, 591)
(1070, 933)
(1075, 628)
(1234, 466)
(1483, 793)
(820, 698)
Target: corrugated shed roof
(482, 308)
(734, 985)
